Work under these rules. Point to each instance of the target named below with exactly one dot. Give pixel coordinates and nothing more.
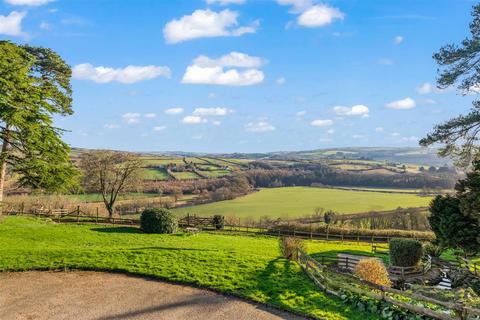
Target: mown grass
(301, 201)
(155, 174)
(245, 266)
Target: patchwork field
(246, 266)
(301, 201)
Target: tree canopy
(34, 86)
(460, 65)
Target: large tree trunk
(3, 167)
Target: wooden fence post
(22, 207)
(78, 213)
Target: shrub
(433, 250)
(374, 271)
(289, 247)
(405, 252)
(158, 220)
(218, 221)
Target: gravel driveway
(108, 296)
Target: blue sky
(246, 75)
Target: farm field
(301, 201)
(155, 174)
(246, 266)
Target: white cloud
(357, 110)
(45, 25)
(429, 101)
(159, 128)
(131, 117)
(427, 88)
(301, 113)
(398, 39)
(330, 131)
(379, 129)
(177, 110)
(385, 61)
(395, 134)
(312, 15)
(28, 2)
(280, 81)
(216, 123)
(233, 59)
(403, 104)
(225, 2)
(322, 122)
(112, 126)
(211, 111)
(259, 126)
(193, 120)
(205, 70)
(205, 24)
(127, 75)
(319, 15)
(150, 115)
(298, 5)
(11, 25)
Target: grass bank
(245, 266)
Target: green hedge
(157, 220)
(405, 252)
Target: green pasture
(96, 197)
(245, 266)
(155, 174)
(301, 201)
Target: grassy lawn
(245, 266)
(301, 201)
(155, 174)
(186, 175)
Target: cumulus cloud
(259, 126)
(206, 24)
(312, 15)
(193, 120)
(11, 25)
(398, 39)
(127, 75)
(357, 110)
(150, 115)
(403, 104)
(112, 126)
(177, 110)
(322, 123)
(223, 71)
(131, 117)
(211, 111)
(427, 88)
(32, 3)
(225, 2)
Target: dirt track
(104, 296)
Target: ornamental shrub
(219, 222)
(374, 271)
(158, 220)
(405, 252)
(289, 247)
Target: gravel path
(107, 296)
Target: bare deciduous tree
(110, 173)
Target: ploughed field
(245, 266)
(294, 202)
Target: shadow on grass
(118, 230)
(283, 284)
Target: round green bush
(405, 252)
(158, 220)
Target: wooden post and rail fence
(317, 271)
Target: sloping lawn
(245, 266)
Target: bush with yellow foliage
(374, 271)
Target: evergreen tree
(34, 86)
